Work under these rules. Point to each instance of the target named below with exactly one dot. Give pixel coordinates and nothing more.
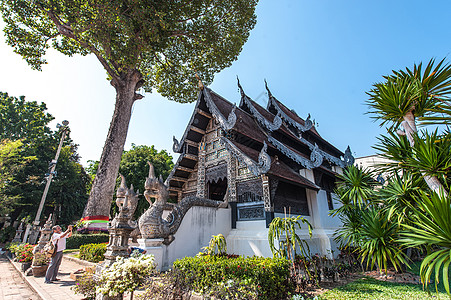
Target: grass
(371, 289)
(415, 269)
(70, 250)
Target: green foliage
(372, 289)
(135, 169)
(20, 119)
(399, 195)
(354, 187)
(283, 231)
(86, 286)
(12, 161)
(69, 188)
(77, 240)
(217, 245)
(92, 252)
(125, 275)
(378, 237)
(432, 228)
(7, 234)
(24, 252)
(414, 90)
(165, 41)
(270, 276)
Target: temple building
(264, 162)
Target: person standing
(58, 238)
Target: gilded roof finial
(200, 84)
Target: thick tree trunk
(410, 128)
(101, 195)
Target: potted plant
(25, 256)
(40, 263)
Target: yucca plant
(407, 96)
(348, 235)
(283, 231)
(217, 245)
(399, 196)
(354, 188)
(432, 229)
(379, 244)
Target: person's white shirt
(61, 241)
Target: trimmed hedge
(77, 240)
(270, 276)
(92, 252)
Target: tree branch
(68, 32)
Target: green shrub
(208, 274)
(92, 252)
(7, 234)
(86, 286)
(77, 240)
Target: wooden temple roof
(286, 139)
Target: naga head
(155, 187)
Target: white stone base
(154, 247)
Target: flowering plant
(25, 253)
(125, 274)
(40, 258)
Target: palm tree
(355, 187)
(407, 96)
(378, 244)
(432, 229)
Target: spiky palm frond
(432, 228)
(391, 100)
(418, 90)
(283, 231)
(355, 187)
(394, 148)
(432, 155)
(399, 195)
(348, 235)
(379, 240)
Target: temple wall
(195, 232)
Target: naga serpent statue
(151, 223)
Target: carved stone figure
(151, 223)
(122, 225)
(46, 233)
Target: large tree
(25, 125)
(135, 169)
(140, 43)
(12, 161)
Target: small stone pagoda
(265, 162)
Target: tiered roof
(274, 141)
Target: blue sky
(319, 57)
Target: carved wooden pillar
(269, 211)
(231, 177)
(201, 186)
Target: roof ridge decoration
(264, 160)
(316, 157)
(308, 123)
(226, 124)
(348, 159)
(176, 145)
(277, 122)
